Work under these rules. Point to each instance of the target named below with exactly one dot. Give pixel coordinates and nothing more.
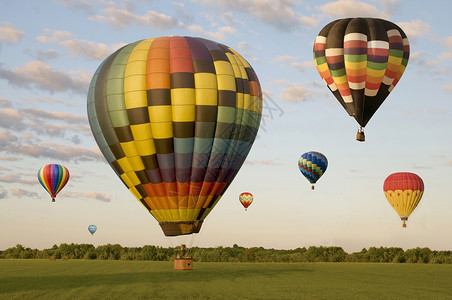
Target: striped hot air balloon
(246, 199)
(175, 117)
(312, 165)
(53, 178)
(361, 60)
(404, 191)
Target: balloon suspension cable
(360, 134)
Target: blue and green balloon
(92, 229)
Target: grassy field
(84, 279)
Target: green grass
(84, 279)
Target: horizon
(50, 50)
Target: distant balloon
(53, 178)
(312, 165)
(92, 229)
(175, 117)
(246, 199)
(404, 191)
(361, 60)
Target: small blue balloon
(92, 229)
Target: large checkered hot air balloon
(175, 117)
(361, 60)
(404, 191)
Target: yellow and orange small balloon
(246, 199)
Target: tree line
(232, 254)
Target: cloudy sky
(50, 49)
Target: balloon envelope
(404, 191)
(246, 199)
(92, 229)
(53, 178)
(175, 117)
(312, 165)
(361, 60)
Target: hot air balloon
(246, 199)
(404, 191)
(361, 60)
(92, 229)
(175, 117)
(53, 178)
(312, 165)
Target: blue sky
(50, 49)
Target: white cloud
(428, 63)
(61, 152)
(266, 162)
(220, 34)
(179, 4)
(121, 18)
(295, 93)
(15, 178)
(53, 36)
(7, 138)
(36, 74)
(10, 34)
(87, 49)
(54, 115)
(445, 55)
(11, 119)
(83, 5)
(46, 55)
(285, 58)
(293, 61)
(280, 14)
(414, 29)
(310, 21)
(349, 8)
(228, 18)
(448, 88)
(45, 100)
(23, 193)
(4, 102)
(90, 195)
(447, 43)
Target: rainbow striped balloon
(361, 60)
(53, 178)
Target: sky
(49, 51)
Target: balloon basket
(183, 264)
(360, 136)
